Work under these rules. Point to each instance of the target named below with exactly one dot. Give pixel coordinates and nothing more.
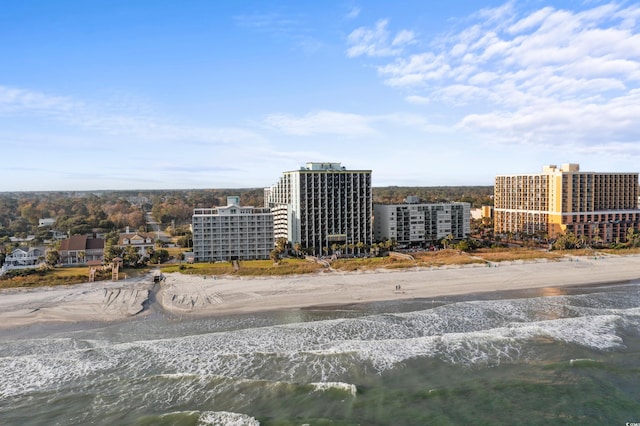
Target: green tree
(130, 256)
(274, 255)
(185, 241)
(281, 245)
(633, 237)
(52, 257)
(159, 256)
(567, 241)
(112, 251)
(464, 245)
(446, 241)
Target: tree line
(104, 211)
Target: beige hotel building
(599, 206)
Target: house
(80, 249)
(47, 221)
(189, 256)
(24, 258)
(22, 240)
(143, 242)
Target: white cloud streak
(348, 124)
(378, 41)
(21, 102)
(321, 122)
(542, 76)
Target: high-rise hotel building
(598, 206)
(322, 204)
(232, 232)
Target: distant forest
(104, 211)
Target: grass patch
(349, 265)
(421, 259)
(247, 268)
(621, 251)
(446, 257)
(64, 276)
(175, 251)
(256, 268)
(505, 255)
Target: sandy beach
(188, 295)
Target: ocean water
(549, 356)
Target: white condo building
(232, 232)
(419, 223)
(322, 204)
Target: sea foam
(346, 387)
(465, 333)
(225, 418)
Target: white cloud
(15, 101)
(528, 22)
(321, 122)
(353, 13)
(542, 76)
(378, 41)
(86, 116)
(418, 100)
(351, 125)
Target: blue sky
(229, 94)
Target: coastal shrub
(26, 272)
(447, 257)
(510, 254)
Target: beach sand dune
(209, 296)
(100, 301)
(198, 295)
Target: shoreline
(198, 296)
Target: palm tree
(633, 238)
(447, 240)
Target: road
(155, 227)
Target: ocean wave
(226, 418)
(346, 387)
(205, 418)
(466, 333)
